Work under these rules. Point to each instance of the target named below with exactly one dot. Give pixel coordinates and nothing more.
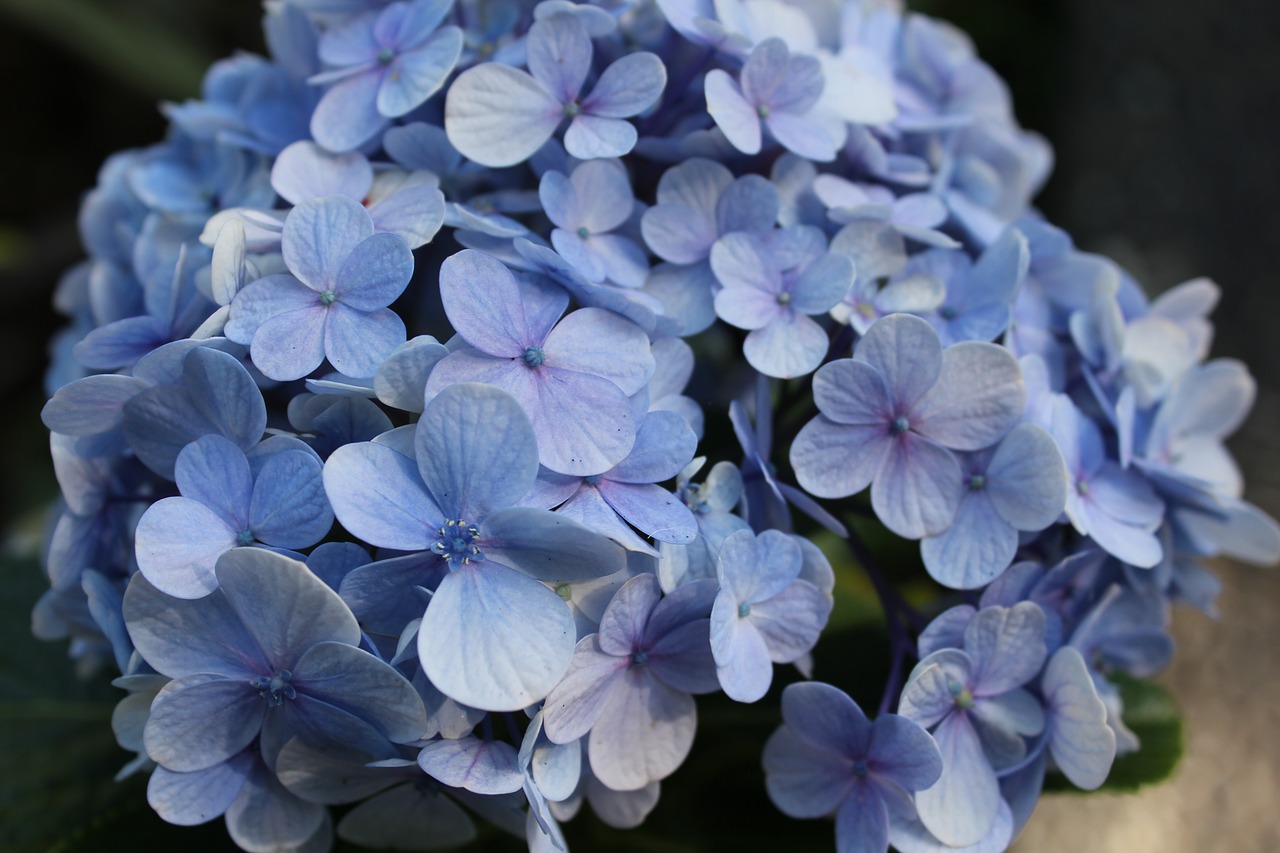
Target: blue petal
(961, 808)
(735, 117)
(379, 496)
(200, 721)
(589, 137)
(265, 816)
(216, 473)
(904, 753)
(375, 273)
(484, 767)
(576, 702)
(627, 87)
(352, 679)
(974, 550)
(622, 625)
(188, 799)
(804, 780)
(918, 488)
(907, 353)
(1007, 647)
(499, 116)
(559, 55)
(1082, 744)
(419, 73)
(643, 733)
(289, 508)
(304, 170)
(862, 823)
(548, 546)
(476, 450)
(347, 115)
(178, 543)
(319, 235)
(492, 310)
(494, 638)
(978, 397)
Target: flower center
(899, 426)
(639, 658)
(564, 591)
(763, 111)
(584, 232)
(328, 297)
(860, 768)
(1082, 487)
(947, 312)
(977, 482)
(692, 494)
(572, 109)
(386, 56)
(784, 298)
(534, 356)
(275, 689)
(458, 543)
(592, 480)
(244, 538)
(959, 694)
(744, 610)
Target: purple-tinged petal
(978, 397)
(584, 422)
(627, 87)
(682, 658)
(264, 299)
(822, 284)
(265, 816)
(289, 346)
(927, 699)
(677, 233)
(852, 392)
(735, 117)
(201, 721)
(499, 116)
(413, 212)
(962, 806)
(664, 445)
(918, 489)
(643, 733)
(834, 460)
(806, 135)
(559, 55)
(1129, 543)
(652, 509)
(379, 496)
(494, 638)
(751, 203)
(907, 354)
(319, 235)
(574, 705)
(354, 680)
(747, 674)
(484, 767)
(862, 823)
(623, 623)
(492, 310)
(601, 343)
(476, 450)
(825, 718)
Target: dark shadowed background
(1164, 117)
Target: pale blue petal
(1082, 744)
(419, 73)
(975, 549)
(483, 767)
(375, 273)
(356, 343)
(823, 284)
(262, 300)
(588, 507)
(318, 236)
(852, 392)
(904, 753)
(678, 233)
(266, 817)
(289, 346)
(1007, 647)
(791, 345)
(304, 170)
(179, 637)
(664, 445)
(1027, 478)
(492, 310)
(215, 472)
(918, 489)
(559, 55)
(978, 397)
(499, 116)
(790, 621)
(810, 136)
(735, 117)
(652, 509)
(746, 676)
(91, 405)
(590, 137)
(833, 460)
(198, 722)
(907, 353)
(188, 799)
(414, 212)
(379, 496)
(402, 377)
(962, 807)
(627, 87)
(548, 546)
(289, 508)
(494, 638)
(584, 422)
(913, 837)
(177, 544)
(927, 698)
(347, 115)
(476, 450)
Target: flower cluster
(381, 485)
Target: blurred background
(1164, 117)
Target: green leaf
(1150, 712)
